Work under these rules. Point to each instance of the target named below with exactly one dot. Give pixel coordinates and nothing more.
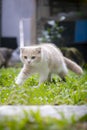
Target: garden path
(45, 110)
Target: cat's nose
(29, 61)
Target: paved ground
(45, 110)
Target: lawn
(73, 91)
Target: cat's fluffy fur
(44, 59)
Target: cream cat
(44, 59)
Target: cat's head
(30, 55)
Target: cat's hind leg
(62, 76)
(63, 72)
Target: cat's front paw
(18, 81)
(36, 86)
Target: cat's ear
(38, 50)
(21, 50)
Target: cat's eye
(33, 57)
(25, 57)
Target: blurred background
(62, 22)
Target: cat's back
(51, 49)
(52, 55)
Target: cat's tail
(73, 66)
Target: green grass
(73, 91)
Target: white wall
(12, 12)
